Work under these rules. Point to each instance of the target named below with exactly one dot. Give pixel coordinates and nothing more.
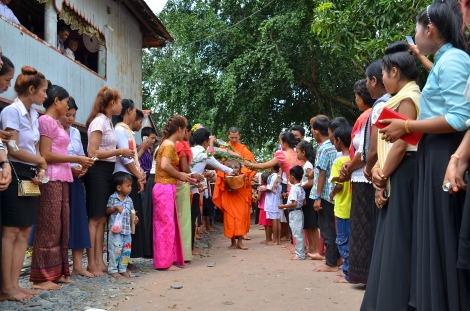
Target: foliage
(244, 63)
(361, 29)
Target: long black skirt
(464, 241)
(363, 224)
(436, 282)
(99, 186)
(137, 248)
(388, 283)
(310, 215)
(147, 211)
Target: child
(119, 242)
(273, 199)
(73, 46)
(263, 221)
(295, 201)
(342, 196)
(326, 154)
(306, 153)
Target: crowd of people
(393, 214)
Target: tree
(253, 64)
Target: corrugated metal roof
(154, 32)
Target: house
(111, 35)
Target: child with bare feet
(295, 201)
(263, 221)
(272, 201)
(120, 240)
(342, 196)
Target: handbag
(26, 188)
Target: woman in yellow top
(167, 245)
(388, 283)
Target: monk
(235, 204)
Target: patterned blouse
(161, 177)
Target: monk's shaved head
(234, 130)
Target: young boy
(342, 196)
(271, 203)
(320, 193)
(119, 244)
(295, 201)
(73, 46)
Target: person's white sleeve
(271, 180)
(216, 164)
(10, 119)
(123, 142)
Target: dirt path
(261, 278)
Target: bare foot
(241, 246)
(233, 246)
(14, 295)
(264, 242)
(294, 258)
(103, 268)
(173, 268)
(116, 275)
(262, 228)
(95, 271)
(272, 243)
(27, 291)
(285, 238)
(196, 252)
(48, 285)
(211, 230)
(325, 268)
(247, 238)
(64, 279)
(83, 272)
(292, 251)
(340, 280)
(315, 256)
(132, 267)
(126, 274)
(340, 274)
(198, 237)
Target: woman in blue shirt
(436, 282)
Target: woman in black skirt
(436, 281)
(19, 213)
(131, 166)
(388, 285)
(7, 71)
(99, 179)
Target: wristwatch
(316, 197)
(3, 162)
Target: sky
(156, 5)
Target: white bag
(117, 225)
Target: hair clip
(427, 13)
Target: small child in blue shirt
(295, 201)
(119, 235)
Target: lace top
(168, 151)
(60, 141)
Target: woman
(388, 286)
(19, 213)
(79, 235)
(99, 179)
(7, 70)
(183, 196)
(131, 166)
(362, 192)
(167, 248)
(50, 261)
(436, 282)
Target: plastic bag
(117, 225)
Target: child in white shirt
(271, 203)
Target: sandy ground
(261, 278)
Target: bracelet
(406, 126)
(455, 156)
(42, 170)
(372, 170)
(121, 152)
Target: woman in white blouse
(19, 213)
(79, 235)
(131, 166)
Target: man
(235, 204)
(299, 133)
(7, 12)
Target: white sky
(156, 5)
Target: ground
(261, 278)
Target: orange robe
(235, 205)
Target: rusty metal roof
(154, 32)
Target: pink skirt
(263, 221)
(167, 245)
